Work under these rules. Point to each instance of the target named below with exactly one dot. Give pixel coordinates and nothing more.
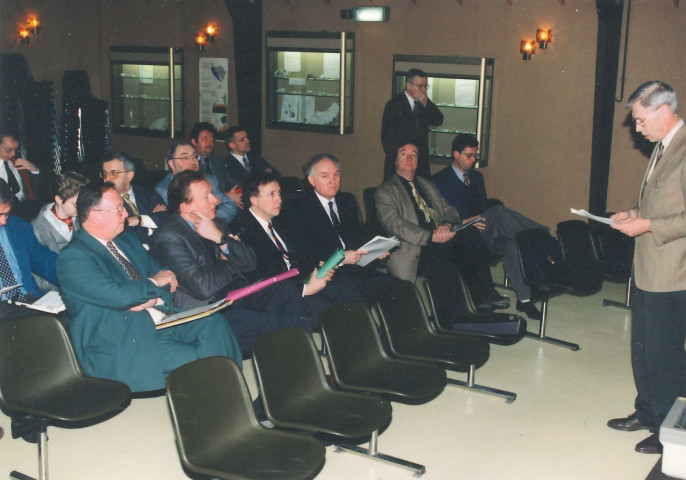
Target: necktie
(8, 279)
(127, 199)
(465, 177)
(11, 179)
(128, 266)
(206, 166)
(246, 164)
(334, 218)
(69, 221)
(430, 215)
(278, 243)
(660, 149)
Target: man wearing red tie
(658, 301)
(20, 174)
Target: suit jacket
(227, 208)
(146, 200)
(237, 171)
(400, 127)
(318, 238)
(270, 261)
(110, 340)
(452, 188)
(203, 276)
(47, 234)
(32, 256)
(660, 255)
(397, 215)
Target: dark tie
(128, 266)
(8, 279)
(660, 149)
(467, 182)
(11, 179)
(278, 243)
(334, 218)
(246, 163)
(206, 166)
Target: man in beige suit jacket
(425, 231)
(658, 328)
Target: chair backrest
(36, 355)
(353, 340)
(577, 245)
(291, 188)
(614, 247)
(210, 405)
(541, 258)
(446, 294)
(288, 367)
(402, 314)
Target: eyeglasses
(112, 173)
(475, 156)
(641, 123)
(186, 158)
(421, 86)
(8, 150)
(117, 210)
(5, 214)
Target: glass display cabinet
(310, 81)
(461, 88)
(147, 91)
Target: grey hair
(654, 94)
(126, 161)
(308, 169)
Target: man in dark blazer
(210, 261)
(406, 119)
(658, 299)
(323, 232)
(412, 209)
(21, 175)
(238, 164)
(465, 190)
(145, 207)
(21, 254)
(116, 293)
(274, 243)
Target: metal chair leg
(627, 299)
(373, 452)
(541, 331)
(509, 396)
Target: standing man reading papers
(658, 299)
(115, 293)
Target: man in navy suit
(21, 254)
(145, 207)
(406, 120)
(238, 164)
(465, 190)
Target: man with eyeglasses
(145, 207)
(658, 298)
(116, 293)
(406, 119)
(21, 175)
(464, 188)
(182, 156)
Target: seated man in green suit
(116, 293)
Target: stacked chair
(41, 383)
(546, 271)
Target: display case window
(305, 84)
(144, 100)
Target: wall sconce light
(210, 32)
(24, 35)
(201, 41)
(543, 37)
(527, 48)
(366, 14)
(34, 25)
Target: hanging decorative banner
(214, 92)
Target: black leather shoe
(628, 424)
(649, 445)
(529, 309)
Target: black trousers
(658, 357)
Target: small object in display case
(309, 81)
(461, 88)
(147, 91)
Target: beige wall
(542, 111)
(77, 35)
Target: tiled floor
(554, 430)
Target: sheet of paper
(584, 213)
(51, 302)
(376, 247)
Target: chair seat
(458, 354)
(497, 327)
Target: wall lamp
(24, 35)
(366, 14)
(543, 38)
(206, 36)
(34, 25)
(200, 42)
(210, 32)
(527, 48)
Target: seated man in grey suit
(412, 209)
(116, 293)
(182, 156)
(465, 190)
